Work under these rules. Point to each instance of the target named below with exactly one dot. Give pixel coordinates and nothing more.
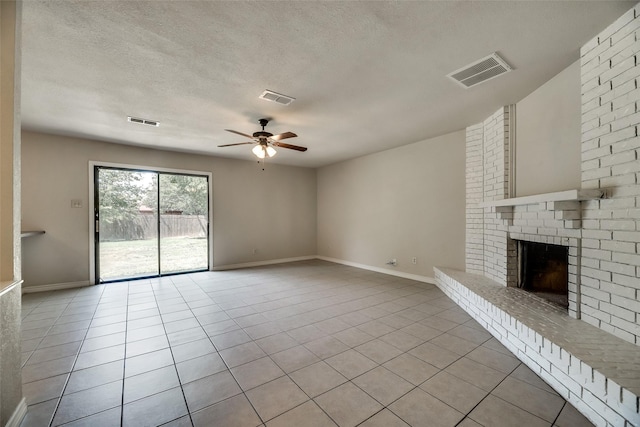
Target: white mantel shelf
(8, 285)
(560, 196)
(29, 233)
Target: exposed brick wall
(488, 250)
(496, 155)
(474, 245)
(610, 271)
(603, 235)
(495, 183)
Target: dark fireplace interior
(543, 270)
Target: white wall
(273, 211)
(548, 136)
(400, 203)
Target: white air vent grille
(143, 121)
(480, 71)
(272, 96)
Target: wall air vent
(480, 71)
(143, 121)
(272, 96)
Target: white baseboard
(18, 414)
(261, 263)
(416, 277)
(54, 286)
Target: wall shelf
(29, 233)
(560, 196)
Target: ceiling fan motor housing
(262, 134)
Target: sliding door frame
(139, 168)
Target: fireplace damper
(544, 270)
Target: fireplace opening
(544, 270)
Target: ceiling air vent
(143, 121)
(270, 95)
(480, 71)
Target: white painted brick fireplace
(597, 365)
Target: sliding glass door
(149, 223)
(184, 223)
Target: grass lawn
(125, 259)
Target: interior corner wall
(400, 203)
(548, 136)
(273, 211)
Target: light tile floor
(302, 344)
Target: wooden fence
(145, 226)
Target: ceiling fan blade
(239, 133)
(239, 143)
(290, 146)
(283, 136)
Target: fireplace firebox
(543, 270)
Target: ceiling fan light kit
(261, 150)
(270, 151)
(266, 141)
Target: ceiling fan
(266, 141)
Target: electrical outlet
(255, 251)
(414, 260)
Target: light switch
(76, 203)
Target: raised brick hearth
(599, 223)
(594, 370)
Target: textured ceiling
(367, 76)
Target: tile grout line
(175, 365)
(48, 329)
(41, 339)
(555, 420)
(523, 409)
(488, 394)
(244, 392)
(348, 380)
(285, 374)
(372, 296)
(349, 348)
(79, 352)
(66, 383)
(124, 364)
(418, 386)
(218, 353)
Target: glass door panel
(184, 223)
(126, 224)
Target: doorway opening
(149, 223)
